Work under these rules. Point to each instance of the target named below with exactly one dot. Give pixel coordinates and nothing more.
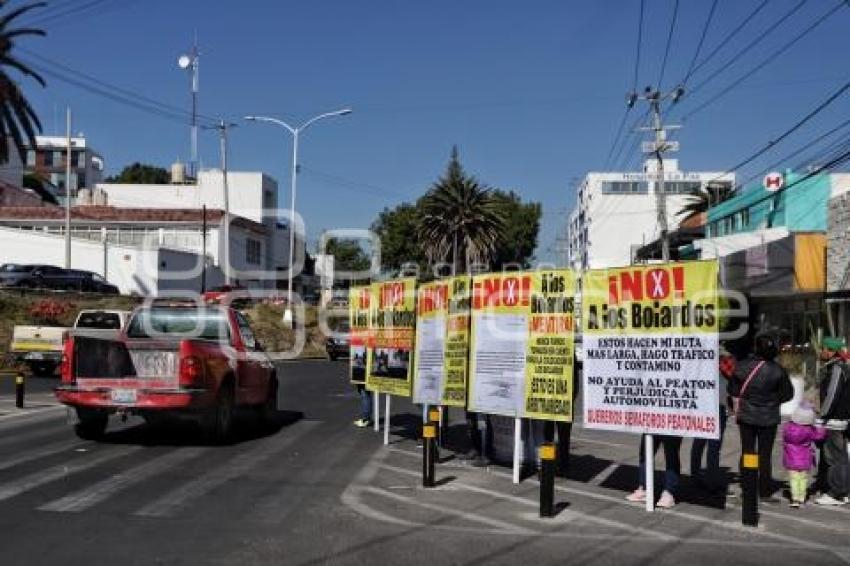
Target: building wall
(615, 213)
(838, 244)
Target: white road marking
(600, 478)
(501, 526)
(171, 502)
(24, 416)
(43, 452)
(566, 513)
(79, 464)
(92, 495)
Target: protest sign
(522, 344)
(650, 336)
(442, 342)
(359, 324)
(393, 306)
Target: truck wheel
(92, 424)
(267, 412)
(220, 421)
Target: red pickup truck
(187, 361)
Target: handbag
(736, 401)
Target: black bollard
(19, 390)
(429, 436)
(547, 479)
(434, 418)
(750, 490)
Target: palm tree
(704, 198)
(460, 219)
(17, 117)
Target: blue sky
(531, 92)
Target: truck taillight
(66, 367)
(191, 370)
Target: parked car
(338, 344)
(193, 362)
(40, 347)
(232, 295)
(39, 276)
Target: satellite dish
(184, 61)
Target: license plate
(35, 356)
(124, 396)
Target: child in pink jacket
(799, 436)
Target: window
(30, 158)
(245, 332)
(745, 218)
(48, 158)
(206, 324)
(79, 159)
(253, 251)
(623, 187)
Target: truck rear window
(165, 322)
(99, 320)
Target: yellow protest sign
(393, 305)
(521, 346)
(359, 323)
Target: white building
(251, 195)
(615, 212)
(47, 161)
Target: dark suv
(52, 277)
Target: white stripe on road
(501, 526)
(43, 452)
(171, 502)
(600, 478)
(14, 488)
(91, 496)
(565, 514)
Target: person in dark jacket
(835, 414)
(760, 386)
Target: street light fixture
(295, 131)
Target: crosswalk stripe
(43, 452)
(170, 502)
(32, 481)
(94, 494)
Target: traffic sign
(773, 181)
(652, 146)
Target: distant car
(339, 343)
(38, 276)
(235, 295)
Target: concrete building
(46, 161)
(142, 251)
(615, 212)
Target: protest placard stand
(387, 420)
(424, 413)
(376, 409)
(649, 463)
(517, 448)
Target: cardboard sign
(522, 344)
(393, 305)
(442, 342)
(650, 336)
(360, 325)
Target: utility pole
(68, 188)
(204, 249)
(659, 146)
(222, 128)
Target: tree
(461, 219)
(141, 174)
(348, 255)
(398, 228)
(704, 198)
(518, 237)
(17, 117)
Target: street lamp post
(295, 131)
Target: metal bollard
(547, 479)
(429, 449)
(19, 390)
(434, 418)
(750, 490)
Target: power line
(669, 42)
(770, 144)
(728, 38)
(772, 57)
(743, 51)
(77, 10)
(701, 41)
